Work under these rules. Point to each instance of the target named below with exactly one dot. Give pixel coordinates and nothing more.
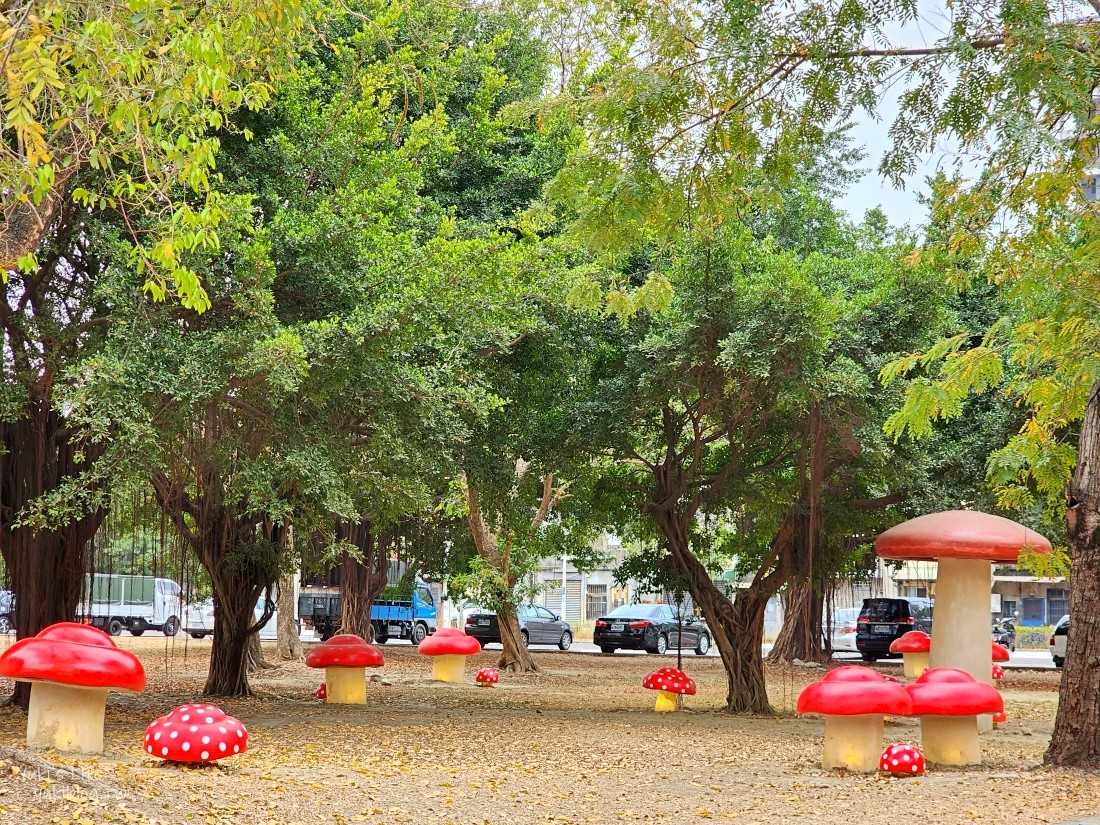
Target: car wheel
(419, 633)
(136, 632)
(5, 625)
(703, 645)
(525, 637)
(482, 642)
(1059, 661)
(171, 627)
(565, 641)
(198, 635)
(869, 657)
(604, 649)
(114, 627)
(662, 645)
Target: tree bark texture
(361, 580)
(289, 643)
(46, 567)
(1076, 738)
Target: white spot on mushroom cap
(204, 755)
(186, 746)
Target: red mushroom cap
(345, 650)
(449, 641)
(1000, 653)
(902, 760)
(915, 641)
(671, 680)
(998, 672)
(73, 654)
(947, 691)
(322, 691)
(1000, 717)
(195, 733)
(852, 691)
(963, 534)
(487, 676)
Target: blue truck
(413, 619)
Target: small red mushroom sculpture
(195, 733)
(998, 673)
(854, 701)
(948, 702)
(913, 647)
(321, 692)
(902, 760)
(487, 677)
(345, 658)
(70, 667)
(1000, 719)
(449, 648)
(669, 683)
(1000, 653)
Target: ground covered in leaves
(576, 744)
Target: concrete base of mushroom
(853, 742)
(448, 668)
(345, 686)
(950, 740)
(66, 718)
(914, 664)
(667, 702)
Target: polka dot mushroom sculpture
(913, 647)
(487, 677)
(902, 760)
(854, 701)
(195, 733)
(70, 667)
(998, 674)
(669, 683)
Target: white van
(198, 620)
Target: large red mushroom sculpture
(949, 702)
(853, 701)
(966, 544)
(345, 657)
(449, 648)
(70, 667)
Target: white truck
(135, 603)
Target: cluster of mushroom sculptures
(72, 666)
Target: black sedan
(538, 626)
(653, 628)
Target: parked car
(537, 625)
(653, 628)
(198, 620)
(842, 630)
(1058, 641)
(7, 611)
(882, 620)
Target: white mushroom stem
(853, 742)
(448, 668)
(345, 686)
(66, 718)
(914, 664)
(962, 612)
(666, 702)
(950, 740)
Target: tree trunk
(361, 580)
(46, 567)
(801, 636)
(289, 643)
(515, 657)
(256, 659)
(1076, 738)
(228, 674)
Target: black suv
(883, 620)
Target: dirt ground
(578, 744)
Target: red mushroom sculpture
(195, 733)
(70, 667)
(487, 677)
(948, 702)
(670, 683)
(966, 544)
(913, 647)
(902, 760)
(1000, 653)
(449, 648)
(854, 701)
(1000, 719)
(998, 673)
(345, 658)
